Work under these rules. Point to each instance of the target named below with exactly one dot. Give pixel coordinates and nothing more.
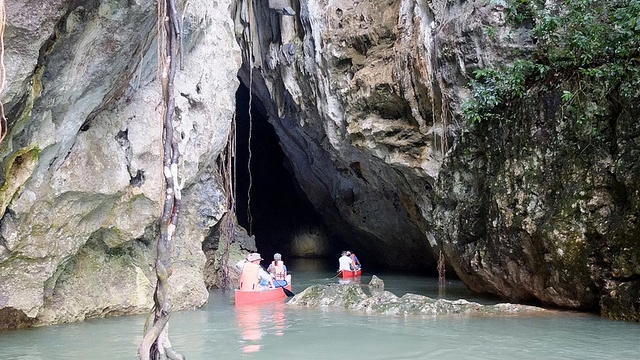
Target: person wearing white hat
(253, 276)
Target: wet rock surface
(352, 297)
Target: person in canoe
(253, 276)
(345, 262)
(355, 262)
(278, 270)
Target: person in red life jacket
(253, 276)
(278, 270)
(355, 262)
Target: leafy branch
(598, 41)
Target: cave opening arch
(283, 219)
(269, 203)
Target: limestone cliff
(82, 160)
(366, 99)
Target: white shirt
(345, 263)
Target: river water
(219, 330)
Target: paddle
(287, 292)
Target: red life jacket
(249, 279)
(278, 267)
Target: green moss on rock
(19, 168)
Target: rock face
(351, 297)
(310, 243)
(554, 209)
(366, 97)
(364, 145)
(82, 161)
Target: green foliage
(493, 87)
(596, 42)
(490, 31)
(584, 33)
(18, 169)
(519, 12)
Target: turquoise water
(277, 331)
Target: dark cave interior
(278, 208)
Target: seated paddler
(278, 270)
(253, 276)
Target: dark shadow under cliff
(270, 204)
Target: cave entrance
(269, 203)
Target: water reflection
(442, 290)
(356, 280)
(255, 321)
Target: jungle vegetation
(584, 49)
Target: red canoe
(244, 297)
(346, 274)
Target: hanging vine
(155, 343)
(441, 269)
(3, 120)
(250, 42)
(228, 170)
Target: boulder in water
(351, 297)
(376, 282)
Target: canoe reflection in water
(357, 280)
(259, 320)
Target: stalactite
(228, 223)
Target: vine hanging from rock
(155, 343)
(3, 120)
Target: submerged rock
(351, 297)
